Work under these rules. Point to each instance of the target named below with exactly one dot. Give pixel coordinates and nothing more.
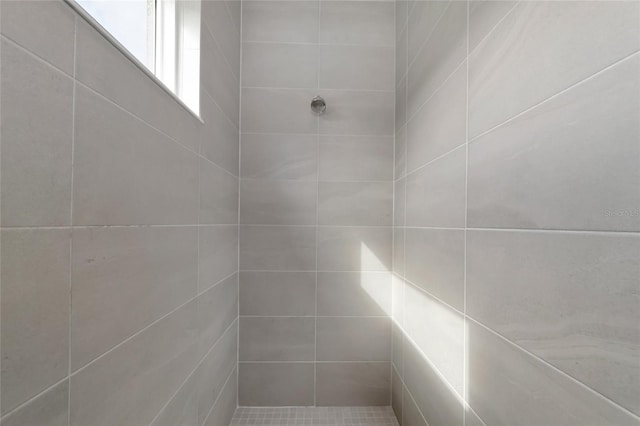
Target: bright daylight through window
(164, 35)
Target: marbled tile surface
(325, 416)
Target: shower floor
(316, 416)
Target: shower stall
(319, 212)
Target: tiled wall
(316, 203)
(516, 243)
(119, 228)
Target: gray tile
(220, 139)
(287, 112)
(277, 293)
(353, 339)
(560, 155)
(399, 202)
(46, 28)
(222, 411)
(129, 173)
(50, 409)
(217, 309)
(435, 262)
(275, 384)
(354, 249)
(402, 64)
(328, 416)
(277, 248)
(217, 19)
(484, 15)
(105, 69)
(445, 49)
(351, 22)
(411, 416)
(573, 302)
(280, 21)
(354, 293)
(397, 348)
(279, 65)
(279, 156)
(439, 125)
(398, 284)
(402, 16)
(36, 153)
(445, 326)
(357, 113)
(213, 372)
(218, 254)
(432, 394)
(219, 80)
(374, 154)
(576, 39)
(153, 364)
(352, 67)
(510, 387)
(218, 195)
(401, 103)
(422, 20)
(436, 192)
(123, 279)
(35, 312)
(396, 394)
(277, 339)
(353, 383)
(182, 409)
(355, 203)
(277, 202)
(401, 153)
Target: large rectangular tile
(279, 65)
(354, 248)
(574, 302)
(437, 401)
(438, 331)
(399, 202)
(182, 409)
(218, 254)
(279, 156)
(123, 279)
(396, 395)
(357, 113)
(411, 415)
(130, 384)
(353, 384)
(422, 20)
(435, 261)
(218, 195)
(276, 384)
(436, 193)
(484, 15)
(351, 22)
(575, 157)
(216, 18)
(222, 411)
(217, 309)
(439, 125)
(287, 112)
(510, 387)
(402, 63)
(354, 293)
(277, 248)
(349, 67)
(37, 130)
(280, 21)
(400, 149)
(46, 28)
(401, 103)
(128, 173)
(277, 293)
(50, 408)
(218, 79)
(353, 339)
(374, 154)
(355, 203)
(445, 49)
(219, 138)
(577, 40)
(35, 312)
(277, 339)
(278, 202)
(213, 372)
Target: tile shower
(455, 241)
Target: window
(163, 35)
